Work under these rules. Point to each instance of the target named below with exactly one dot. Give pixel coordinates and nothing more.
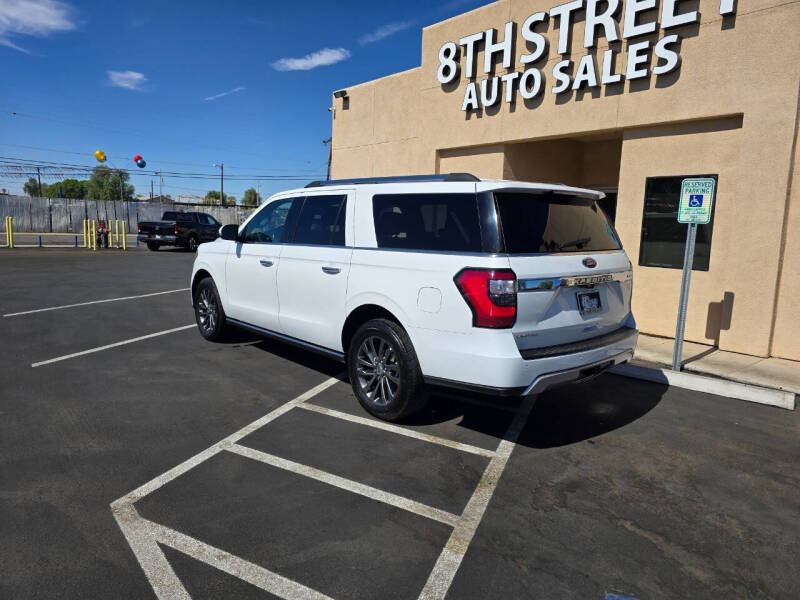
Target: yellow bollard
(116, 234)
(85, 235)
(93, 234)
(8, 233)
(124, 237)
(11, 232)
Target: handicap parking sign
(697, 199)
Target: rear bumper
(163, 239)
(491, 363)
(575, 375)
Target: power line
(148, 136)
(19, 164)
(154, 160)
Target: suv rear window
(443, 222)
(548, 222)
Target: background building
(707, 87)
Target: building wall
(786, 338)
(731, 109)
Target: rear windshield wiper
(577, 243)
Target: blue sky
(187, 84)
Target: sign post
(697, 200)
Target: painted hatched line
(398, 430)
(38, 310)
(157, 482)
(156, 567)
(109, 346)
(233, 565)
(143, 535)
(449, 560)
(354, 487)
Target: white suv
(498, 287)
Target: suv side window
(443, 222)
(206, 219)
(321, 221)
(270, 224)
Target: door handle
(266, 263)
(331, 270)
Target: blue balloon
(141, 164)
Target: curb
(709, 385)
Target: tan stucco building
(719, 98)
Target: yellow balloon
(100, 155)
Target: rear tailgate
(574, 279)
(157, 228)
(561, 301)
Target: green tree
(212, 197)
(108, 184)
(251, 197)
(31, 187)
(70, 188)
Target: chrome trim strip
(548, 380)
(548, 284)
(288, 339)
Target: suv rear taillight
(177, 229)
(138, 228)
(491, 295)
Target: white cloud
(320, 58)
(383, 32)
(33, 17)
(130, 80)
(228, 93)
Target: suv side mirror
(229, 232)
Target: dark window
(184, 218)
(321, 221)
(207, 219)
(663, 238)
(270, 224)
(549, 222)
(444, 222)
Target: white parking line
(144, 536)
(444, 571)
(114, 345)
(399, 430)
(354, 487)
(233, 565)
(38, 310)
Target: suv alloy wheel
(208, 311)
(384, 371)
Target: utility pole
(151, 190)
(329, 144)
(221, 183)
(39, 177)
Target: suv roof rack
(463, 177)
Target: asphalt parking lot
(171, 466)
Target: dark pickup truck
(184, 229)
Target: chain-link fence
(60, 215)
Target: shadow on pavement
(561, 416)
(575, 413)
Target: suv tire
(191, 243)
(209, 313)
(152, 246)
(384, 371)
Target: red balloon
(137, 158)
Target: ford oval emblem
(589, 263)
